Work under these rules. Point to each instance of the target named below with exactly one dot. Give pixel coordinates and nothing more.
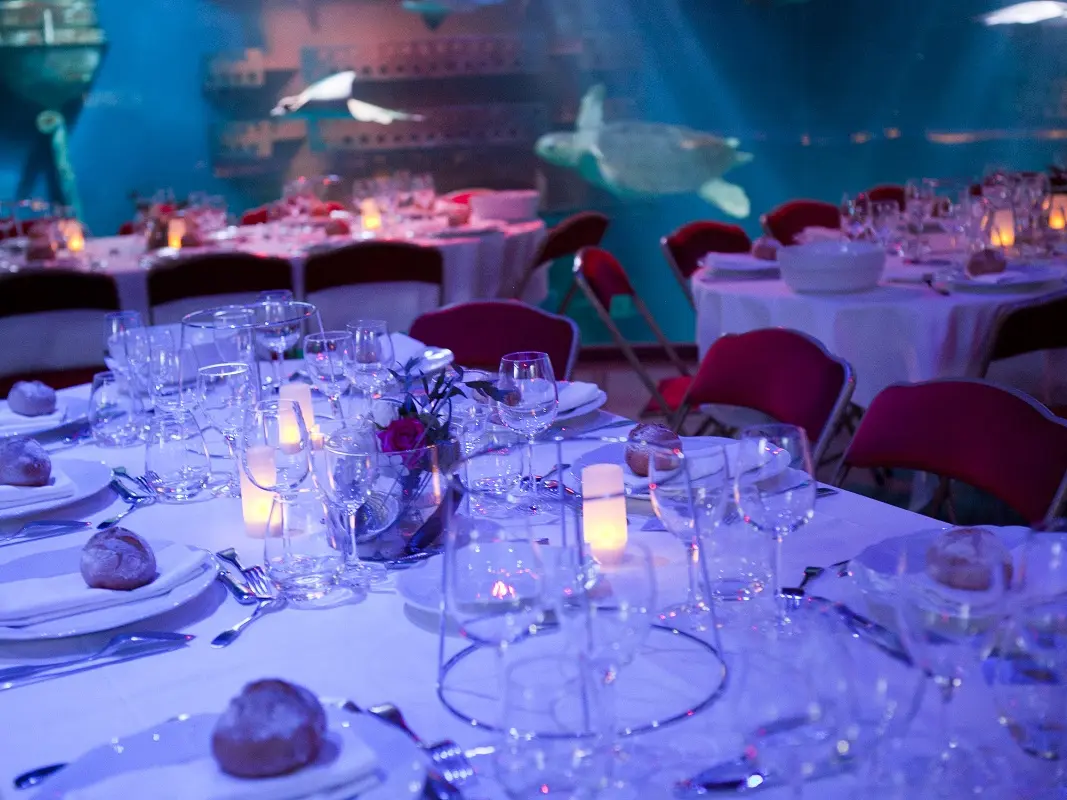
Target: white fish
(1028, 13)
(336, 88)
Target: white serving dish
(517, 205)
(832, 267)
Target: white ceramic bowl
(832, 267)
(510, 206)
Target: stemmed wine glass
(330, 358)
(689, 492)
(530, 402)
(774, 486)
(945, 628)
(224, 391)
(345, 475)
(274, 447)
(278, 329)
(373, 358)
(885, 219)
(118, 339)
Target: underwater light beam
(1029, 13)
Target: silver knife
(59, 672)
(743, 776)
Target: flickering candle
(255, 502)
(1057, 214)
(175, 232)
(73, 235)
(370, 216)
(1002, 233)
(604, 512)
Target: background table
(893, 334)
(372, 651)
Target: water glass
(373, 357)
(297, 551)
(116, 417)
(177, 464)
(557, 727)
(329, 358)
(233, 335)
(531, 400)
(116, 325)
(274, 434)
(493, 472)
(224, 392)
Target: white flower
(384, 412)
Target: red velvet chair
(787, 220)
(127, 229)
(462, 197)
(602, 278)
(887, 192)
(256, 216)
(213, 275)
(63, 309)
(564, 240)
(779, 372)
(393, 281)
(684, 248)
(483, 332)
(994, 438)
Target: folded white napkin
(12, 423)
(40, 582)
(14, 496)
(817, 234)
(405, 348)
(574, 394)
(186, 769)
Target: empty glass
(422, 191)
(117, 326)
(329, 358)
(177, 464)
(278, 328)
(557, 727)
(232, 335)
(225, 391)
(531, 401)
(274, 446)
(493, 472)
(373, 359)
(297, 551)
(171, 373)
(885, 220)
(116, 417)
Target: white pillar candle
(1057, 213)
(256, 502)
(175, 232)
(1003, 232)
(604, 512)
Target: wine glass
(224, 391)
(116, 417)
(345, 474)
(274, 446)
(689, 492)
(177, 464)
(278, 329)
(530, 402)
(774, 486)
(945, 628)
(373, 358)
(232, 334)
(329, 358)
(885, 219)
(117, 339)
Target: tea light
(1057, 213)
(73, 235)
(255, 502)
(370, 215)
(604, 512)
(1002, 233)
(175, 232)
(318, 439)
(299, 393)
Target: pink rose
(402, 434)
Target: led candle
(604, 512)
(73, 235)
(370, 216)
(1003, 230)
(318, 440)
(1057, 214)
(175, 232)
(256, 502)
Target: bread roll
(23, 462)
(637, 450)
(965, 558)
(271, 728)
(31, 398)
(118, 559)
(765, 248)
(986, 262)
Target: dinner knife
(743, 776)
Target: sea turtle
(633, 159)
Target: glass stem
(352, 562)
(277, 360)
(694, 597)
(530, 466)
(335, 406)
(231, 444)
(946, 728)
(779, 605)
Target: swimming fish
(434, 12)
(338, 87)
(1028, 13)
(633, 159)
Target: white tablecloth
(372, 651)
(894, 334)
(475, 267)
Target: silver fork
(135, 502)
(268, 601)
(447, 756)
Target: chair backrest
(393, 281)
(783, 373)
(255, 216)
(127, 229)
(1029, 326)
(56, 318)
(994, 438)
(789, 219)
(887, 192)
(684, 248)
(565, 239)
(482, 332)
(603, 274)
(463, 197)
(174, 289)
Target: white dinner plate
(75, 409)
(1018, 277)
(105, 619)
(586, 408)
(89, 477)
(401, 765)
(739, 264)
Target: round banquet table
(373, 651)
(476, 267)
(901, 332)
